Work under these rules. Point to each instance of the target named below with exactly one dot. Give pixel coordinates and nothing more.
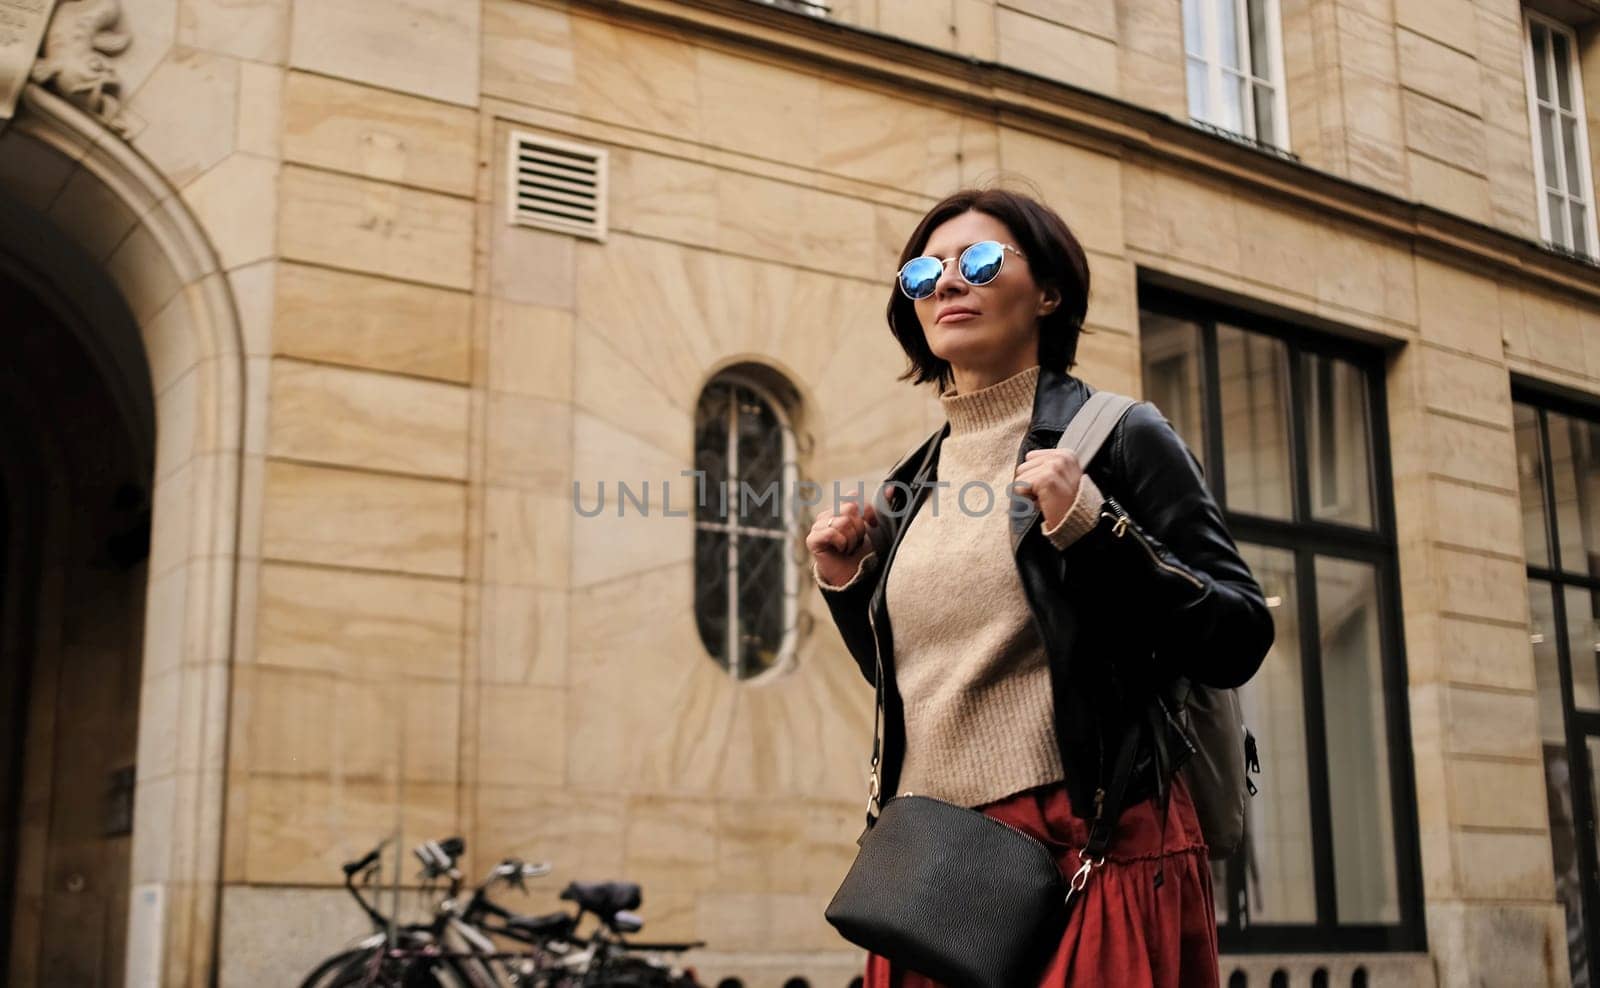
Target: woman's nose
(948, 278)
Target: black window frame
(1307, 537)
(1577, 725)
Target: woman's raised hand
(838, 541)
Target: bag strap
(1093, 854)
(1090, 427)
(1093, 422)
(918, 478)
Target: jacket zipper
(1121, 527)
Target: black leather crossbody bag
(955, 894)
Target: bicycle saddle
(603, 898)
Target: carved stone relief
(22, 24)
(76, 59)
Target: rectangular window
(1290, 430)
(1234, 61)
(1558, 473)
(1561, 142)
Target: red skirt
(1125, 930)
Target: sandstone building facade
(318, 310)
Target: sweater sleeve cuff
(1080, 518)
(866, 565)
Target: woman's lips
(958, 317)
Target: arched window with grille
(745, 581)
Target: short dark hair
(1054, 256)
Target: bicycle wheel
(447, 972)
(334, 971)
(375, 968)
(632, 972)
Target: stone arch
(68, 166)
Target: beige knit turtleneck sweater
(969, 664)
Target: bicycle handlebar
(352, 868)
(438, 859)
(514, 872)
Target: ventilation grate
(557, 185)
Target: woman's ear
(1047, 305)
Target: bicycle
(606, 957)
(456, 949)
(387, 957)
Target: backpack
(1225, 750)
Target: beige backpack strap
(1093, 423)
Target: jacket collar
(1057, 399)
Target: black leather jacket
(1154, 591)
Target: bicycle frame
(457, 945)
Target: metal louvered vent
(557, 185)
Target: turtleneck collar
(1000, 402)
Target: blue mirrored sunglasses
(979, 264)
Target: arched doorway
(75, 469)
(142, 412)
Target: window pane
(1194, 30)
(1569, 153)
(760, 463)
(1541, 60)
(711, 425)
(1351, 645)
(1173, 374)
(1337, 432)
(711, 591)
(1542, 638)
(1558, 218)
(1576, 473)
(1280, 882)
(1547, 145)
(761, 602)
(1580, 226)
(1265, 110)
(1198, 92)
(1530, 483)
(1583, 641)
(1564, 852)
(1254, 374)
(1230, 115)
(1561, 67)
(1567, 888)
(1260, 54)
(1219, 891)
(1227, 33)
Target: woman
(1019, 655)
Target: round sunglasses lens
(919, 276)
(981, 262)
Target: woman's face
(1003, 329)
